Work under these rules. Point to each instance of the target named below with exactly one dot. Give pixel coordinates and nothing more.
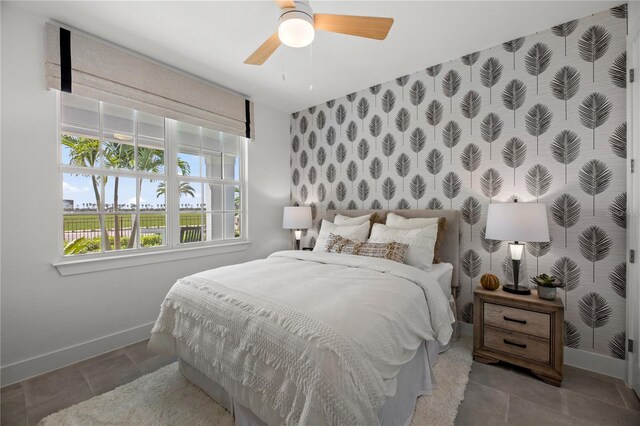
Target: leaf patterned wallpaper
(541, 117)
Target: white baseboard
(590, 361)
(595, 362)
(40, 364)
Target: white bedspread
(321, 336)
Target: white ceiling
(212, 39)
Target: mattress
(442, 272)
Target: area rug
(164, 397)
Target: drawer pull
(509, 342)
(506, 318)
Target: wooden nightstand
(520, 330)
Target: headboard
(450, 250)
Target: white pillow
(341, 219)
(351, 232)
(421, 242)
(396, 221)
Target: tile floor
(504, 395)
(27, 402)
(496, 394)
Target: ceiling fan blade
(285, 4)
(263, 52)
(361, 26)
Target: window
(132, 181)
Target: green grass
(79, 222)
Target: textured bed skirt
(415, 379)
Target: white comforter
(320, 337)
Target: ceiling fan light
(296, 29)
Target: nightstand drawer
(519, 344)
(514, 319)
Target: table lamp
(517, 222)
(297, 218)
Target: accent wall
(541, 118)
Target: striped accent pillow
(392, 250)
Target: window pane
(231, 167)
(117, 120)
(212, 164)
(190, 227)
(188, 135)
(80, 150)
(150, 126)
(79, 111)
(121, 228)
(119, 194)
(81, 234)
(231, 225)
(189, 161)
(153, 230)
(190, 196)
(231, 197)
(79, 192)
(213, 196)
(120, 205)
(152, 195)
(232, 144)
(213, 226)
(211, 139)
(118, 154)
(150, 156)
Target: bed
(314, 338)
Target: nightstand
(522, 330)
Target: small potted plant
(547, 285)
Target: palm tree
(120, 156)
(185, 188)
(83, 152)
(152, 160)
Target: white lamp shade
(297, 218)
(517, 222)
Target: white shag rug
(165, 397)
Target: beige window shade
(108, 73)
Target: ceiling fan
(297, 25)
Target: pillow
(376, 217)
(341, 219)
(352, 232)
(421, 242)
(392, 251)
(396, 221)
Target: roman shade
(84, 65)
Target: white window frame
(173, 248)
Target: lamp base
(510, 288)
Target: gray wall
(400, 155)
